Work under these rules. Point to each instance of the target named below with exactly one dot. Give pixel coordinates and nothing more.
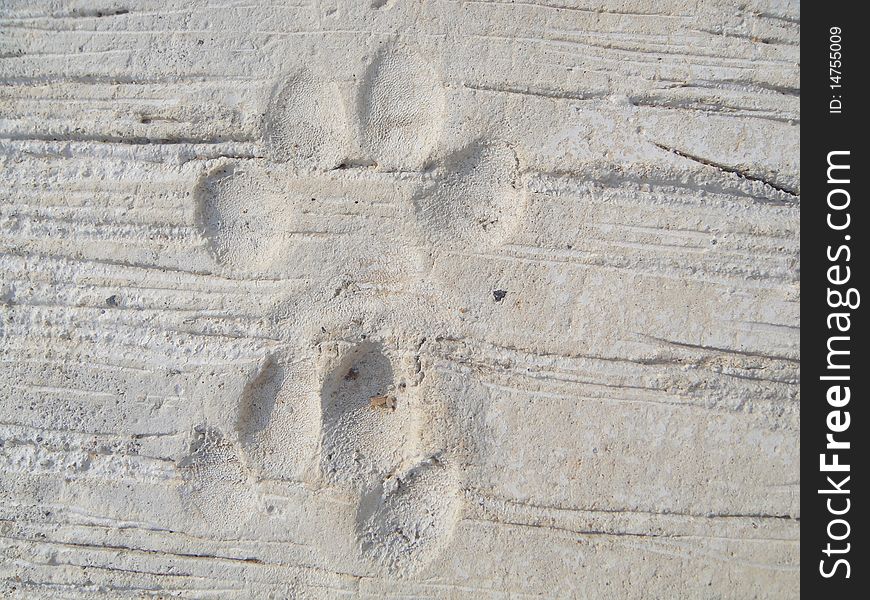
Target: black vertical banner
(835, 223)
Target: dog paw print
(276, 420)
(370, 420)
(252, 214)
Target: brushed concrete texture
(396, 299)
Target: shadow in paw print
(242, 215)
(400, 109)
(278, 420)
(477, 201)
(383, 440)
(217, 487)
(305, 124)
(405, 521)
(366, 417)
(258, 401)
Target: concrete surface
(398, 299)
